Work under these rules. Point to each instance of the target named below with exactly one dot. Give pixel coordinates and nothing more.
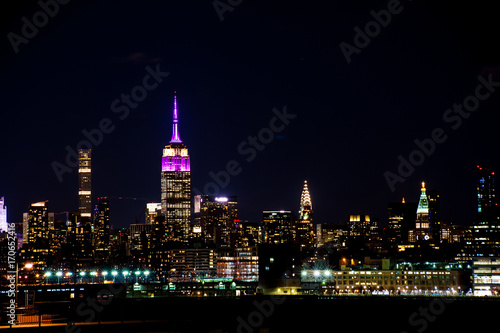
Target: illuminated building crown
(423, 203)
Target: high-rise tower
(3, 215)
(303, 231)
(176, 186)
(218, 216)
(423, 210)
(485, 190)
(84, 185)
(422, 223)
(482, 238)
(101, 230)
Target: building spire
(305, 198)
(175, 132)
(423, 203)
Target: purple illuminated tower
(176, 186)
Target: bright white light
(221, 199)
(327, 273)
(59, 273)
(317, 273)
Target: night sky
(350, 121)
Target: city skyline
(347, 131)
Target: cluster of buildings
(196, 242)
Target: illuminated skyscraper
(152, 210)
(176, 186)
(36, 229)
(84, 184)
(422, 224)
(278, 226)
(3, 215)
(435, 214)
(218, 216)
(401, 216)
(485, 190)
(482, 238)
(101, 229)
(423, 210)
(303, 231)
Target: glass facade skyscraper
(485, 190)
(176, 186)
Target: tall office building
(359, 225)
(140, 243)
(482, 238)
(218, 216)
(278, 226)
(84, 185)
(101, 229)
(176, 186)
(152, 210)
(36, 230)
(422, 224)
(485, 190)
(303, 231)
(435, 214)
(422, 221)
(3, 215)
(401, 216)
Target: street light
(137, 273)
(59, 274)
(125, 273)
(69, 275)
(114, 273)
(47, 275)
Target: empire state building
(176, 186)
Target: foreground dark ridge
(283, 314)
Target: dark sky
(352, 120)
